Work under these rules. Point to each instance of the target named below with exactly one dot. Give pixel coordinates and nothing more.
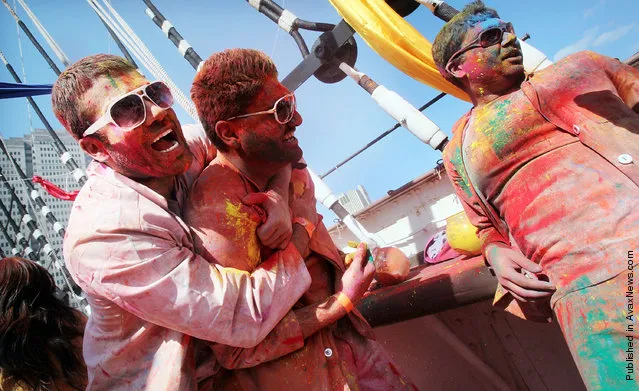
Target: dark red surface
(430, 289)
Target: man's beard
(268, 150)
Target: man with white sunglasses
(548, 163)
(251, 119)
(152, 297)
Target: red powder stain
(293, 340)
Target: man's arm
(300, 324)
(510, 266)
(225, 216)
(155, 278)
(624, 77)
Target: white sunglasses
(128, 111)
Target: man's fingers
(255, 199)
(369, 268)
(525, 294)
(528, 283)
(526, 263)
(359, 260)
(517, 297)
(282, 241)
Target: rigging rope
(24, 72)
(139, 49)
(47, 37)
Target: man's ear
(227, 132)
(455, 69)
(94, 148)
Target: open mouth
(165, 142)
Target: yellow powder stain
(481, 91)
(244, 232)
(298, 188)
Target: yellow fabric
(395, 40)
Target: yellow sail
(395, 40)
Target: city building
(36, 155)
(354, 200)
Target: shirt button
(328, 352)
(576, 128)
(624, 158)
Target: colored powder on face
(244, 228)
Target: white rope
(52, 44)
(159, 71)
(24, 73)
(141, 52)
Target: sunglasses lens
(490, 37)
(160, 94)
(128, 112)
(285, 109)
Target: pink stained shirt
(151, 295)
(341, 356)
(557, 163)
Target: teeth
(163, 134)
(172, 147)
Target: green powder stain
(457, 161)
(500, 136)
(114, 84)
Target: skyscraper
(36, 156)
(354, 200)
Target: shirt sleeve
(154, 275)
(624, 77)
(471, 203)
(201, 148)
(285, 338)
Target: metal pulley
(326, 49)
(403, 7)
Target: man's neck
(163, 186)
(482, 95)
(258, 172)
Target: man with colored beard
(547, 163)
(251, 119)
(127, 247)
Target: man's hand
(358, 276)
(516, 273)
(276, 232)
(303, 203)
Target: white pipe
(325, 196)
(323, 193)
(408, 116)
(351, 72)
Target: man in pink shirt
(548, 163)
(127, 247)
(251, 119)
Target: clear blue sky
(338, 118)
